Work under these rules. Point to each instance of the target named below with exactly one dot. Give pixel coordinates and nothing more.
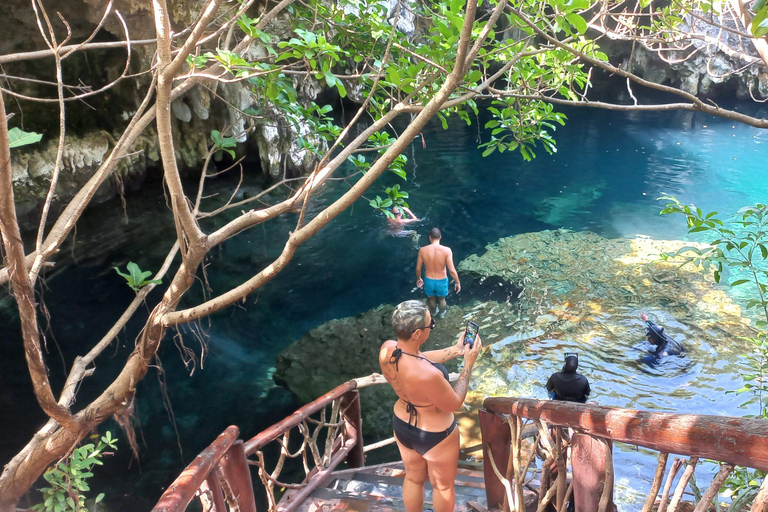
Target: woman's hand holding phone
(471, 354)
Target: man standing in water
(436, 258)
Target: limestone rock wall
(93, 126)
(709, 67)
(103, 117)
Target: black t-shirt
(571, 387)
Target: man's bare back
(436, 258)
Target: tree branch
(59, 151)
(698, 104)
(22, 287)
(187, 228)
(81, 96)
(323, 218)
(40, 54)
(759, 43)
(137, 125)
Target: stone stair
(380, 489)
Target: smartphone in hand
(470, 334)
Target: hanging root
(125, 418)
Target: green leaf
(758, 22)
(341, 89)
(18, 138)
(136, 279)
(330, 79)
(489, 150)
(99, 497)
(393, 76)
(577, 21)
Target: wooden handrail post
(588, 461)
(761, 500)
(211, 495)
(234, 468)
(183, 489)
(496, 438)
(350, 406)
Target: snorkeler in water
(665, 345)
(401, 215)
(568, 385)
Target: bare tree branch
(138, 123)
(22, 287)
(301, 235)
(40, 54)
(187, 229)
(59, 149)
(89, 93)
(699, 105)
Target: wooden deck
(380, 488)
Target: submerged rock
(485, 288)
(336, 352)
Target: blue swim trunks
(435, 287)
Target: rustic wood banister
(588, 449)
(221, 474)
(740, 441)
(183, 489)
(276, 430)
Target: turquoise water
(609, 169)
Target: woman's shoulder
(387, 348)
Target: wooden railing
(587, 432)
(220, 476)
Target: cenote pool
(606, 176)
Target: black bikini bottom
(421, 441)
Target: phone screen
(471, 333)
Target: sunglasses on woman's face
(430, 326)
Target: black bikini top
(410, 408)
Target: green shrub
(69, 478)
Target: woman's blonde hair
(408, 317)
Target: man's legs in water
(432, 304)
(443, 307)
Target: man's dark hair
(571, 364)
(435, 234)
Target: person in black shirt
(568, 385)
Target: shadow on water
(605, 177)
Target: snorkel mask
(654, 333)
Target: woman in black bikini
(424, 425)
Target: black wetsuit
(568, 386)
(664, 344)
(408, 433)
